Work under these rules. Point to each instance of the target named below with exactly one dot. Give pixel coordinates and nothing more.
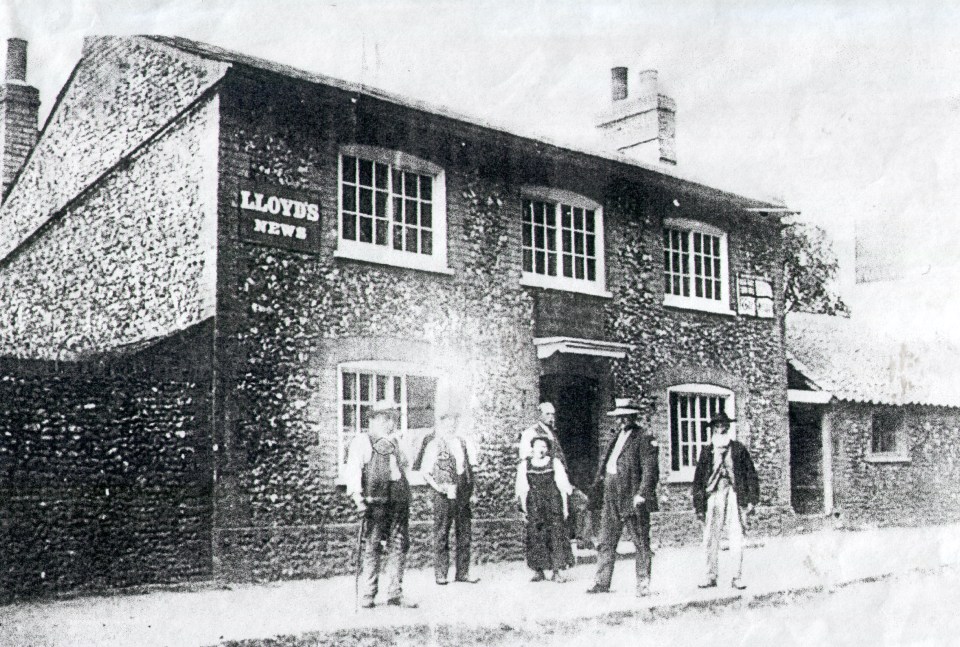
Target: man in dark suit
(627, 482)
(725, 487)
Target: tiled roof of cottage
(854, 363)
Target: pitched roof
(855, 363)
(221, 55)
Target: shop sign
(281, 217)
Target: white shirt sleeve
(358, 455)
(524, 450)
(560, 478)
(473, 450)
(522, 485)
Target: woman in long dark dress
(543, 489)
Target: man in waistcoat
(448, 463)
(376, 479)
(626, 483)
(725, 488)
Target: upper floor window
(695, 273)
(692, 406)
(562, 241)
(392, 209)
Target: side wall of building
(105, 469)
(922, 490)
(288, 319)
(131, 259)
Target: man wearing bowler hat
(725, 487)
(627, 482)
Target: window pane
(426, 215)
(381, 387)
(349, 226)
(365, 380)
(565, 218)
(568, 265)
(590, 221)
(426, 241)
(349, 417)
(366, 230)
(382, 176)
(366, 173)
(398, 182)
(366, 201)
(349, 386)
(349, 168)
(381, 204)
(551, 264)
(349, 198)
(426, 187)
(420, 398)
(398, 236)
(591, 270)
(398, 209)
(381, 230)
(411, 212)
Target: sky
(848, 111)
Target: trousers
(386, 523)
(723, 510)
(611, 527)
(454, 513)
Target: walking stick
(356, 579)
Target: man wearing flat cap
(725, 487)
(376, 479)
(627, 482)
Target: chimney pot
(618, 83)
(16, 59)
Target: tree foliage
(809, 272)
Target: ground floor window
(363, 383)
(691, 407)
(885, 431)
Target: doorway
(575, 398)
(806, 459)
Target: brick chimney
(19, 106)
(640, 123)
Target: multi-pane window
(694, 266)
(360, 388)
(690, 411)
(560, 240)
(885, 430)
(387, 206)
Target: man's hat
(624, 407)
(720, 418)
(385, 407)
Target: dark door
(806, 459)
(575, 399)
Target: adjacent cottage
(874, 423)
(212, 265)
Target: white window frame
(717, 306)
(685, 474)
(386, 368)
(900, 452)
(386, 254)
(559, 198)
